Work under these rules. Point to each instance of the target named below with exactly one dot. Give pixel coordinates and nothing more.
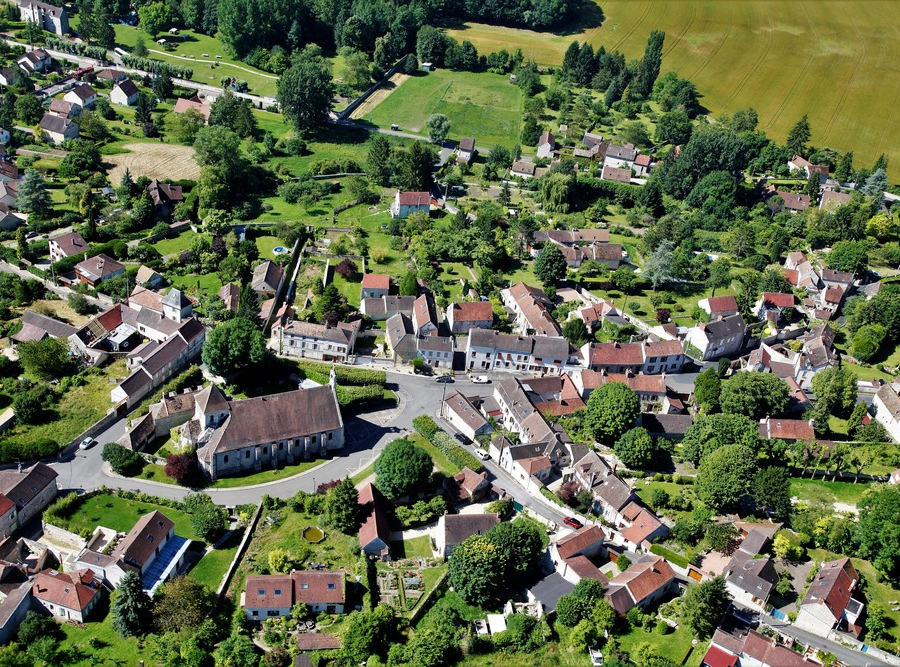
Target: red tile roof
(716, 657)
(472, 311)
(833, 586)
(74, 590)
(317, 587)
(375, 523)
(268, 591)
(786, 429)
(645, 578)
(614, 354)
(415, 199)
(778, 299)
(317, 641)
(768, 652)
(376, 281)
(645, 524)
(140, 544)
(583, 538)
(182, 105)
(719, 304)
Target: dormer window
(149, 538)
(331, 587)
(304, 586)
(277, 591)
(261, 591)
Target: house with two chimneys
(649, 357)
(274, 595)
(67, 245)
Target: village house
(620, 157)
(465, 315)
(82, 96)
(309, 340)
(49, 17)
(466, 486)
(571, 237)
(615, 174)
(63, 109)
(70, 596)
(98, 269)
(8, 76)
(385, 307)
(67, 245)
(800, 272)
(639, 527)
(125, 92)
(718, 338)
(36, 326)
(424, 317)
(831, 199)
(646, 357)
(798, 163)
(231, 296)
(669, 426)
(546, 145)
(453, 529)
(266, 278)
(642, 164)
(611, 493)
(886, 406)
(650, 389)
(147, 277)
(165, 197)
(793, 202)
(719, 306)
(463, 416)
(273, 595)
(572, 554)
(374, 531)
(749, 578)
(375, 286)
(595, 315)
(829, 603)
(156, 362)
(404, 344)
(466, 150)
(642, 585)
(530, 307)
(735, 644)
(182, 105)
(237, 436)
(771, 306)
(30, 491)
(36, 60)
(407, 203)
(789, 430)
(9, 193)
(489, 350)
(524, 169)
(56, 130)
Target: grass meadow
(835, 61)
(484, 106)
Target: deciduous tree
(724, 476)
(438, 128)
(473, 570)
(154, 17)
(233, 346)
(636, 448)
(611, 410)
(550, 266)
(755, 395)
(402, 468)
(305, 92)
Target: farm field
(835, 61)
(154, 160)
(484, 106)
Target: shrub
(345, 375)
(428, 429)
(356, 397)
(182, 468)
(121, 459)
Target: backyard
(481, 105)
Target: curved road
(366, 435)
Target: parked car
(480, 453)
(87, 443)
(572, 522)
(462, 439)
(444, 378)
(596, 657)
(481, 379)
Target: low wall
(63, 536)
(239, 554)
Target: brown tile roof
(786, 429)
(459, 527)
(472, 311)
(644, 578)
(267, 276)
(778, 299)
(276, 417)
(832, 199)
(768, 652)
(23, 487)
(318, 587)
(615, 354)
(467, 144)
(535, 464)
(642, 160)
(663, 348)
(182, 105)
(583, 538)
(164, 194)
(523, 167)
(415, 198)
(342, 333)
(148, 533)
(644, 525)
(145, 298)
(721, 304)
(73, 590)
(833, 586)
(463, 408)
(231, 295)
(52, 326)
(795, 202)
(584, 568)
(269, 591)
(614, 174)
(374, 521)
(98, 267)
(376, 281)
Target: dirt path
(216, 62)
(154, 161)
(379, 95)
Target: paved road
(61, 292)
(846, 655)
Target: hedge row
(669, 555)
(157, 67)
(428, 429)
(77, 49)
(358, 377)
(356, 397)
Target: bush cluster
(428, 429)
(344, 374)
(342, 166)
(356, 397)
(157, 67)
(76, 48)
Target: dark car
(444, 378)
(462, 439)
(572, 522)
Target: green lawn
(481, 105)
(189, 53)
(97, 643)
(176, 244)
(267, 244)
(440, 460)
(213, 565)
(417, 547)
(204, 284)
(829, 492)
(674, 645)
(264, 476)
(362, 474)
(76, 411)
(120, 514)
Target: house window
(265, 450)
(330, 436)
(304, 586)
(331, 587)
(261, 591)
(273, 612)
(280, 445)
(225, 459)
(277, 591)
(254, 613)
(247, 454)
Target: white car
(481, 379)
(480, 453)
(87, 443)
(596, 657)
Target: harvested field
(379, 95)
(154, 161)
(835, 61)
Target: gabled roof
(140, 544)
(626, 152)
(268, 591)
(583, 538)
(23, 487)
(467, 144)
(786, 429)
(778, 299)
(98, 267)
(266, 276)
(641, 580)
(756, 576)
(414, 198)
(182, 105)
(642, 527)
(460, 527)
(616, 174)
(833, 587)
(472, 311)
(128, 88)
(73, 590)
(463, 408)
(231, 295)
(55, 124)
(164, 194)
(374, 521)
(722, 304)
(546, 138)
(523, 167)
(51, 326)
(83, 92)
(376, 281)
